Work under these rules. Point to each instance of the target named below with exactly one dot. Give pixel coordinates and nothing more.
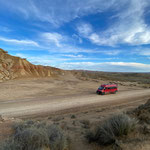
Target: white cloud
(66, 63)
(95, 38)
(19, 42)
(130, 64)
(57, 12)
(75, 36)
(135, 35)
(74, 56)
(20, 55)
(46, 60)
(142, 52)
(108, 66)
(145, 52)
(84, 29)
(67, 48)
(130, 27)
(111, 52)
(55, 38)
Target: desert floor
(70, 103)
(28, 97)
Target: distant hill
(12, 67)
(141, 78)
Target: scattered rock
(5, 118)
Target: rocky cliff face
(15, 67)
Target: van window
(101, 88)
(113, 87)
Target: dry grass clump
(31, 135)
(57, 140)
(32, 138)
(10, 144)
(85, 123)
(115, 126)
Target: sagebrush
(30, 135)
(115, 126)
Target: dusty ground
(36, 96)
(69, 102)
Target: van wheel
(103, 93)
(114, 92)
(98, 93)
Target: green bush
(113, 127)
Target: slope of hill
(12, 67)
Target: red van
(107, 88)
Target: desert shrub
(115, 126)
(30, 135)
(10, 144)
(121, 124)
(85, 123)
(73, 116)
(57, 139)
(20, 126)
(32, 138)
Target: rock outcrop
(12, 67)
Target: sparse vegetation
(31, 135)
(85, 123)
(114, 133)
(10, 144)
(113, 127)
(143, 113)
(73, 116)
(32, 138)
(141, 78)
(57, 139)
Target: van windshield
(101, 88)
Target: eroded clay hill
(12, 67)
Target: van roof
(108, 85)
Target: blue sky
(103, 35)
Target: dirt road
(49, 105)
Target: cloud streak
(130, 27)
(83, 64)
(50, 11)
(19, 42)
(55, 38)
(108, 66)
(66, 33)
